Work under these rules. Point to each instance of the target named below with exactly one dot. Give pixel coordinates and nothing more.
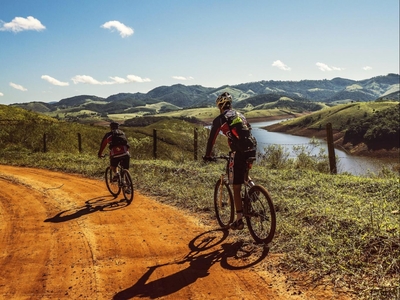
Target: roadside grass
(338, 228)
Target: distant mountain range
(176, 97)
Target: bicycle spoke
(113, 187)
(127, 186)
(261, 218)
(223, 203)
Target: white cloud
(20, 24)
(280, 65)
(134, 78)
(88, 79)
(129, 78)
(115, 80)
(124, 30)
(54, 81)
(18, 87)
(324, 67)
(1, 94)
(367, 68)
(119, 80)
(182, 78)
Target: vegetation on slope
(373, 124)
(341, 116)
(378, 130)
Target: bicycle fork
(246, 201)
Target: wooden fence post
(331, 149)
(155, 143)
(195, 143)
(44, 143)
(79, 143)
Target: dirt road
(63, 236)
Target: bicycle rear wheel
(261, 217)
(113, 187)
(127, 186)
(223, 203)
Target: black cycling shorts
(123, 159)
(240, 165)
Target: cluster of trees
(379, 131)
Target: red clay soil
(63, 236)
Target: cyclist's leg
(239, 169)
(113, 165)
(125, 161)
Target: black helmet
(223, 100)
(114, 125)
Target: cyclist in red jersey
(119, 148)
(243, 145)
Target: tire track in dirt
(64, 237)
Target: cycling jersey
(227, 123)
(231, 123)
(115, 150)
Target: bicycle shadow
(198, 267)
(238, 254)
(104, 203)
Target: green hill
(10, 113)
(375, 124)
(307, 95)
(25, 131)
(340, 116)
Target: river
(355, 165)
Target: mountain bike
(258, 208)
(123, 182)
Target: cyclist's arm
(104, 142)
(215, 129)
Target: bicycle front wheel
(223, 203)
(261, 217)
(127, 186)
(113, 187)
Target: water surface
(355, 165)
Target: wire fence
(158, 144)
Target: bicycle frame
(258, 208)
(123, 184)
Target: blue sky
(55, 49)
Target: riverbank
(276, 117)
(361, 149)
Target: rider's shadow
(199, 265)
(91, 206)
(170, 284)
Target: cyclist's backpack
(241, 137)
(118, 138)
